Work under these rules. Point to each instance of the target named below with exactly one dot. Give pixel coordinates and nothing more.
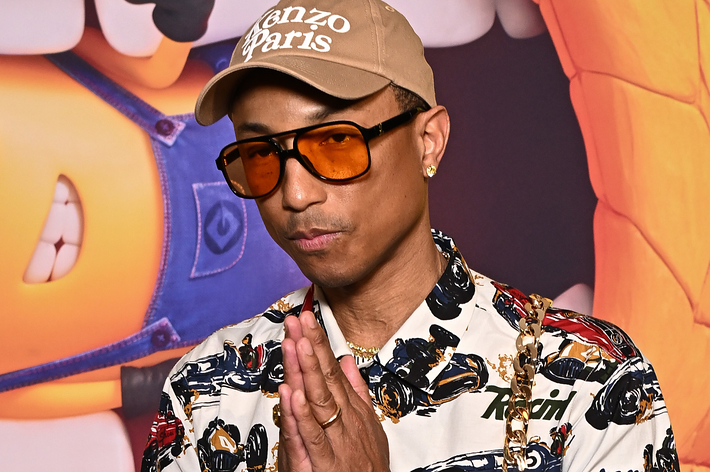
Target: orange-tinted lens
(336, 151)
(256, 171)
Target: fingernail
(301, 399)
(311, 321)
(308, 349)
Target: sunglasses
(335, 152)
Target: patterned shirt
(440, 387)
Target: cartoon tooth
(69, 444)
(40, 27)
(451, 22)
(54, 227)
(520, 18)
(40, 267)
(128, 29)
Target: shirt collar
(422, 347)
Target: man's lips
(313, 239)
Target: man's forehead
(264, 90)
(257, 79)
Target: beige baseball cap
(346, 48)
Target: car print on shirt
(246, 369)
(666, 459)
(510, 304)
(574, 360)
(220, 448)
(398, 386)
(166, 440)
(631, 396)
(539, 459)
(591, 349)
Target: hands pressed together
(327, 420)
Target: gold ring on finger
(333, 418)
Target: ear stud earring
(431, 171)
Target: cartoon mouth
(60, 242)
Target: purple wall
(513, 189)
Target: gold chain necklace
(365, 353)
(518, 415)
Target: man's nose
(299, 188)
(286, 142)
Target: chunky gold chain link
(527, 343)
(518, 416)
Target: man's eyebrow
(323, 113)
(255, 128)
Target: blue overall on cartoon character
(218, 262)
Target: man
(398, 357)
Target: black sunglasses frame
(367, 133)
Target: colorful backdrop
(579, 168)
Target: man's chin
(326, 277)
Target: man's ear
(435, 134)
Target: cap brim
(337, 80)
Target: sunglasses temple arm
(392, 123)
